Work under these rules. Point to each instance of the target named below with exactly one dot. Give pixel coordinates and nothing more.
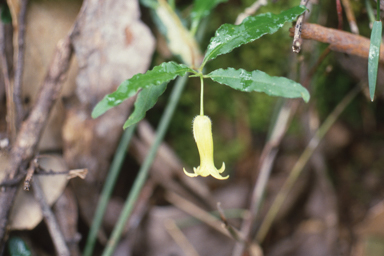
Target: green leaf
(179, 40)
(150, 3)
(5, 14)
(229, 37)
(258, 81)
(201, 9)
(146, 99)
(17, 247)
(163, 73)
(373, 57)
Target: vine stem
(144, 169)
(108, 188)
(202, 96)
(378, 10)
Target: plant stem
(172, 4)
(143, 172)
(202, 96)
(370, 11)
(107, 189)
(300, 164)
(378, 10)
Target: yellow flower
(202, 132)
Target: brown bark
(27, 139)
(339, 41)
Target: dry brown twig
(31, 130)
(11, 112)
(267, 158)
(18, 44)
(250, 11)
(297, 41)
(254, 249)
(50, 220)
(179, 238)
(350, 16)
(30, 172)
(339, 41)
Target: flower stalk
(202, 133)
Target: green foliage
(201, 9)
(163, 73)
(258, 81)
(373, 57)
(6, 16)
(146, 99)
(17, 247)
(229, 37)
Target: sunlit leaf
(202, 8)
(258, 81)
(179, 40)
(373, 57)
(163, 73)
(229, 37)
(146, 99)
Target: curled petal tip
(189, 174)
(222, 168)
(218, 176)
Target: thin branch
(196, 212)
(339, 10)
(250, 11)
(232, 231)
(31, 130)
(19, 62)
(31, 170)
(267, 158)
(350, 16)
(300, 164)
(50, 220)
(339, 41)
(254, 249)
(297, 41)
(180, 238)
(11, 112)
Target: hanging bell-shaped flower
(202, 132)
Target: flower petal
(190, 174)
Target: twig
(297, 41)
(313, 70)
(300, 164)
(50, 220)
(267, 158)
(339, 10)
(180, 238)
(30, 172)
(11, 112)
(196, 212)
(339, 41)
(13, 182)
(27, 140)
(350, 16)
(19, 36)
(232, 231)
(250, 11)
(66, 213)
(254, 249)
